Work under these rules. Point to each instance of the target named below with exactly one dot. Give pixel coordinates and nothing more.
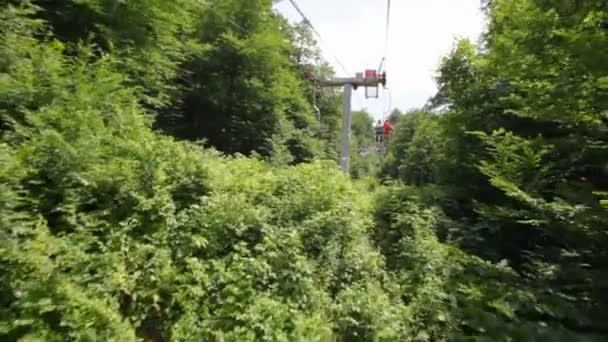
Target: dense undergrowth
(112, 231)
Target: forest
(164, 177)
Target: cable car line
(386, 37)
(388, 26)
(370, 79)
(314, 30)
(307, 21)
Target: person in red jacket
(388, 129)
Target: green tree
(142, 32)
(364, 157)
(522, 127)
(395, 116)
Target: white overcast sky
(422, 31)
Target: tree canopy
(517, 154)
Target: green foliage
(452, 295)
(492, 227)
(113, 232)
(415, 153)
(142, 33)
(364, 158)
(515, 158)
(224, 72)
(243, 88)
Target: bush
(111, 231)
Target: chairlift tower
(371, 80)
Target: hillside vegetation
(162, 179)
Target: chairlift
(379, 132)
(320, 130)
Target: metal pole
(314, 105)
(346, 124)
(348, 84)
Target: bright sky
(422, 31)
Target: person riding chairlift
(379, 132)
(388, 130)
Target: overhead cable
(388, 26)
(314, 30)
(386, 37)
